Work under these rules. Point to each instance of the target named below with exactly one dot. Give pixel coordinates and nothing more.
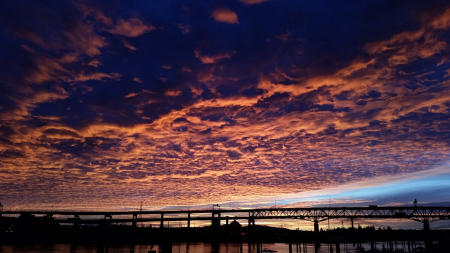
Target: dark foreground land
(120, 234)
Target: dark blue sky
(108, 103)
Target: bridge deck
(420, 213)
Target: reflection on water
(194, 248)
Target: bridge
(424, 214)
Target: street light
(215, 205)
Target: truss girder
(320, 214)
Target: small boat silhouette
(268, 250)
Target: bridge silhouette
(424, 214)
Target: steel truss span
(321, 214)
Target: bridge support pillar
(161, 225)
(316, 234)
(316, 226)
(76, 221)
(189, 220)
(251, 222)
(215, 222)
(351, 219)
(426, 225)
(105, 222)
(134, 223)
(426, 234)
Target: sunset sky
(183, 104)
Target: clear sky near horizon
(176, 104)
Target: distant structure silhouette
(235, 224)
(415, 203)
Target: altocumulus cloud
(186, 103)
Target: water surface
(190, 248)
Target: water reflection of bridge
(424, 214)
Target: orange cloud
(95, 12)
(442, 21)
(225, 16)
(408, 46)
(213, 58)
(94, 63)
(82, 77)
(172, 93)
(134, 27)
(84, 39)
(128, 45)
